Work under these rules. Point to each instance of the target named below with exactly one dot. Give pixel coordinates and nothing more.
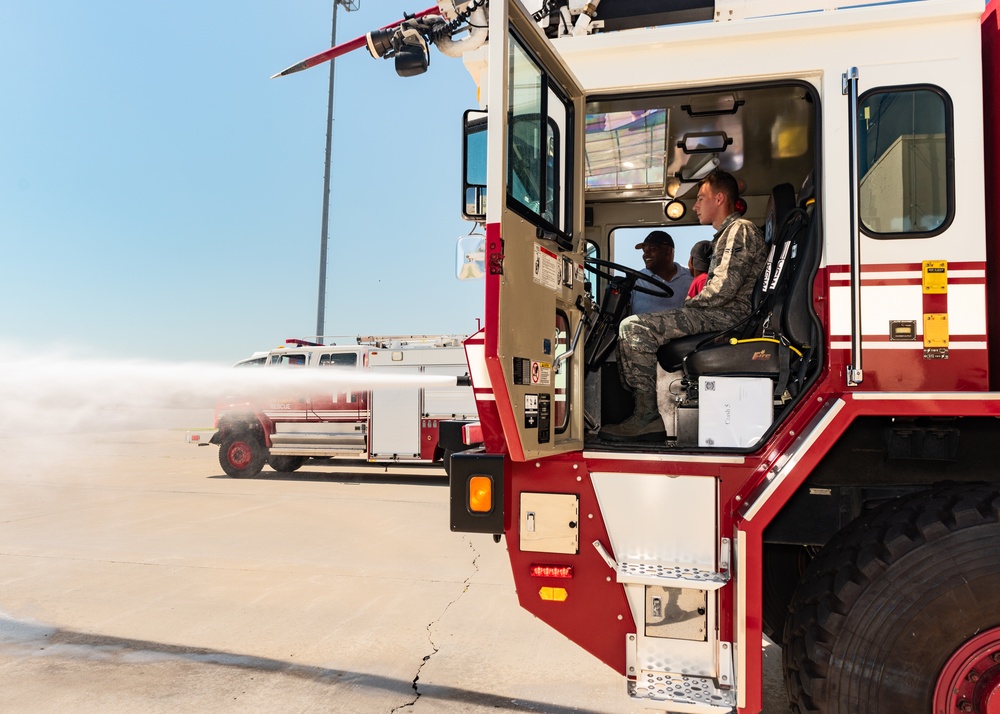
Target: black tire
(285, 464)
(242, 455)
(889, 600)
(784, 566)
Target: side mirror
(471, 257)
(474, 166)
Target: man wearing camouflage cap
(737, 258)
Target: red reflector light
(551, 571)
(472, 433)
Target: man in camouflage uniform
(737, 258)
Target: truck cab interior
(644, 158)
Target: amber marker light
(480, 494)
(553, 594)
(551, 571)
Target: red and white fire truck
(832, 481)
(384, 421)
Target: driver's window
(290, 360)
(538, 125)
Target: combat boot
(645, 423)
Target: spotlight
(405, 45)
(675, 210)
(412, 60)
(380, 42)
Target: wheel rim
(970, 679)
(240, 454)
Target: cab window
(537, 128)
(290, 360)
(625, 149)
(251, 362)
(338, 359)
(906, 159)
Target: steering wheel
(603, 336)
(659, 289)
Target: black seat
(671, 355)
(783, 326)
(780, 204)
(739, 358)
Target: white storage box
(733, 411)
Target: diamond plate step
(671, 576)
(682, 693)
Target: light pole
(349, 5)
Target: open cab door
(534, 238)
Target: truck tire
(784, 566)
(242, 455)
(900, 612)
(285, 464)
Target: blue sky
(161, 197)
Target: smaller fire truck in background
(382, 424)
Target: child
(701, 256)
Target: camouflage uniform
(737, 259)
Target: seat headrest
(779, 204)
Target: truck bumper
(201, 437)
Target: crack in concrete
(430, 638)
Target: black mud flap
(471, 475)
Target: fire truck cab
(832, 481)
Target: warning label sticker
(530, 411)
(541, 373)
(546, 268)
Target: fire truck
(831, 479)
(386, 421)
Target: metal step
(683, 694)
(671, 576)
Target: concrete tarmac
(135, 576)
